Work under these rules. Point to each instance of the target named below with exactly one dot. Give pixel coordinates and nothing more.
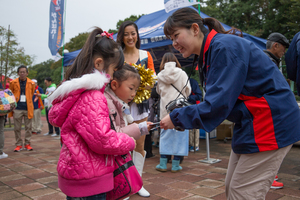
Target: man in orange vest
(23, 88)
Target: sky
(29, 20)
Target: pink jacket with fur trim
(85, 165)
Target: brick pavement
(32, 174)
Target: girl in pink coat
(86, 163)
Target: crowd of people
(30, 99)
(93, 113)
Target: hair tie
(203, 20)
(108, 35)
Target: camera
(177, 103)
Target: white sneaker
(4, 155)
(54, 135)
(47, 133)
(143, 192)
(126, 198)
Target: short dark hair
(127, 71)
(22, 66)
(121, 34)
(48, 79)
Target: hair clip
(108, 35)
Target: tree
(41, 71)
(257, 17)
(132, 18)
(11, 55)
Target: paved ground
(32, 174)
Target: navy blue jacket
(36, 104)
(196, 94)
(292, 60)
(244, 86)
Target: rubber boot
(139, 161)
(175, 166)
(162, 166)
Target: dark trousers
(148, 145)
(50, 127)
(169, 156)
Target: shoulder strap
(111, 124)
(180, 93)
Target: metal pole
(207, 145)
(207, 136)
(62, 60)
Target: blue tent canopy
(154, 40)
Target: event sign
(174, 4)
(56, 25)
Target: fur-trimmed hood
(94, 81)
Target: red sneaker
(28, 147)
(18, 148)
(34, 133)
(276, 178)
(276, 185)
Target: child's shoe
(175, 166)
(162, 166)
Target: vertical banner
(174, 4)
(56, 26)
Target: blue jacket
(292, 60)
(244, 86)
(196, 94)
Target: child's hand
(134, 142)
(150, 125)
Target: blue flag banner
(174, 4)
(56, 25)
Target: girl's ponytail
(97, 45)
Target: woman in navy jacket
(244, 86)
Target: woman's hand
(166, 123)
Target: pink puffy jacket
(85, 165)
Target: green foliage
(131, 18)
(257, 17)
(11, 54)
(42, 71)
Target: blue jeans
(175, 157)
(94, 197)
